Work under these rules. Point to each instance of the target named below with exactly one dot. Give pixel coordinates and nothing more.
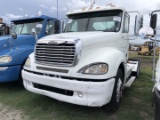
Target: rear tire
(117, 93)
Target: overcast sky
(12, 9)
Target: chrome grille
(55, 54)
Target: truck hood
(21, 40)
(89, 39)
(3, 37)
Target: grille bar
(65, 55)
(48, 46)
(57, 49)
(67, 58)
(55, 54)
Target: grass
(136, 103)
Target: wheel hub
(119, 90)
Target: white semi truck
(88, 64)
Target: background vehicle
(152, 31)
(4, 28)
(88, 64)
(147, 49)
(15, 49)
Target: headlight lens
(27, 63)
(96, 69)
(5, 59)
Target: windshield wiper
(25, 34)
(69, 31)
(110, 31)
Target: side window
(126, 24)
(50, 28)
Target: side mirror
(138, 24)
(7, 30)
(62, 26)
(46, 32)
(146, 32)
(59, 25)
(153, 21)
(38, 28)
(34, 33)
(14, 35)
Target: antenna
(92, 4)
(57, 9)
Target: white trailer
(88, 64)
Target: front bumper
(84, 93)
(10, 73)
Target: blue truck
(15, 48)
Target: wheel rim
(119, 90)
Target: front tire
(117, 92)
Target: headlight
(5, 59)
(95, 69)
(27, 63)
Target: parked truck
(87, 65)
(4, 28)
(153, 33)
(15, 48)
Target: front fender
(111, 56)
(18, 55)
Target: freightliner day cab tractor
(15, 48)
(153, 33)
(87, 65)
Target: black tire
(117, 92)
(157, 115)
(156, 104)
(20, 80)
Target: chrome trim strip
(3, 68)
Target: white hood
(89, 39)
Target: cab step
(130, 81)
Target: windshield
(107, 21)
(25, 27)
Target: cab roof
(95, 9)
(32, 18)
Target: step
(130, 81)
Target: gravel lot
(7, 113)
